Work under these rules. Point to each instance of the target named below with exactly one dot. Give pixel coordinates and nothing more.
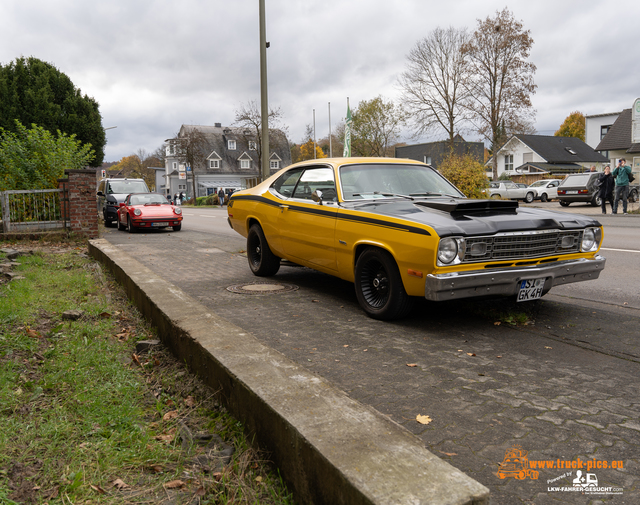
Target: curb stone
(330, 448)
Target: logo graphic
(516, 464)
(590, 480)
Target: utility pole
(264, 102)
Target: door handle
(283, 207)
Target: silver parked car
(509, 191)
(546, 189)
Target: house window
(245, 164)
(274, 164)
(604, 129)
(175, 165)
(252, 145)
(182, 186)
(231, 145)
(214, 163)
(508, 161)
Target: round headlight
(447, 250)
(137, 212)
(177, 210)
(590, 239)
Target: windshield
(576, 180)
(127, 187)
(370, 181)
(147, 198)
(538, 184)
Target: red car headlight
(137, 212)
(177, 210)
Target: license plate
(570, 192)
(530, 289)
(159, 224)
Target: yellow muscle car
(398, 229)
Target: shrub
(466, 173)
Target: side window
(316, 179)
(286, 183)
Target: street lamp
(263, 94)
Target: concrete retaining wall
(329, 448)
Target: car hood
(449, 216)
(154, 210)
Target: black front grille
(523, 245)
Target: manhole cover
(261, 288)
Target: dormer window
(245, 164)
(571, 151)
(252, 145)
(231, 145)
(214, 163)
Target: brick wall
(80, 188)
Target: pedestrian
(176, 199)
(221, 197)
(593, 169)
(621, 174)
(182, 198)
(606, 183)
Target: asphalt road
(564, 386)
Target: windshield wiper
(433, 194)
(383, 194)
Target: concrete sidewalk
(330, 448)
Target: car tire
(177, 227)
(543, 197)
(262, 261)
(528, 198)
(379, 287)
(121, 226)
(130, 227)
(596, 201)
(564, 203)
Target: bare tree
(190, 145)
(502, 84)
(434, 85)
(249, 116)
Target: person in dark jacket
(607, 183)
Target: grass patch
(85, 418)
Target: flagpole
(314, 134)
(330, 148)
(347, 133)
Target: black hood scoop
(471, 207)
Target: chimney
(218, 125)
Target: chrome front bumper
(506, 281)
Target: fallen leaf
(346, 345)
(33, 333)
(412, 365)
(104, 315)
(315, 301)
(258, 479)
(547, 347)
(498, 356)
(471, 354)
(460, 350)
(190, 402)
(423, 419)
(120, 484)
(448, 453)
(217, 476)
(172, 414)
(174, 484)
(135, 359)
(156, 468)
(98, 489)
(497, 323)
(200, 491)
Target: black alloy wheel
(543, 197)
(379, 287)
(130, 227)
(262, 261)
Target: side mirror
(316, 196)
(121, 204)
(100, 193)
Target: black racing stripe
(328, 213)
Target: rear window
(576, 180)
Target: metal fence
(33, 210)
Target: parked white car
(546, 189)
(510, 191)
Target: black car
(112, 192)
(580, 188)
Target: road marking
(619, 250)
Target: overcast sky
(155, 65)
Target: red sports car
(148, 210)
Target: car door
(552, 189)
(513, 192)
(306, 227)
